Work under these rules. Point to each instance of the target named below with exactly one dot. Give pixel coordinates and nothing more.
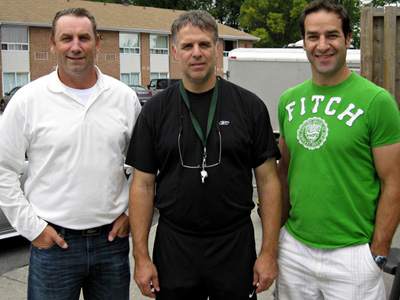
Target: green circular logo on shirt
(312, 133)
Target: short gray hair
(196, 18)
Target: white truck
(268, 72)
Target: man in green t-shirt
(340, 170)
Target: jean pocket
(370, 260)
(122, 237)
(45, 248)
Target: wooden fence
(380, 47)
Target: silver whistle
(203, 175)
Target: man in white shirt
(75, 125)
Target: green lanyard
(196, 124)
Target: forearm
(271, 212)
(387, 164)
(387, 219)
(269, 193)
(140, 217)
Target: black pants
(195, 268)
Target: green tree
(227, 12)
(274, 21)
(353, 8)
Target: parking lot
(13, 284)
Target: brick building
(134, 48)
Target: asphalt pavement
(13, 284)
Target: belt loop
(62, 232)
(110, 227)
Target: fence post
(366, 42)
(380, 47)
(389, 50)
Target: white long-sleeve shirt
(76, 154)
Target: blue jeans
(92, 263)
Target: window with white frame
(14, 38)
(129, 43)
(130, 78)
(158, 75)
(11, 80)
(158, 44)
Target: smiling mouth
(324, 56)
(75, 58)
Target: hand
(47, 239)
(120, 227)
(265, 271)
(146, 277)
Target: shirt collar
(57, 86)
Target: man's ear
(52, 45)
(348, 40)
(174, 52)
(97, 43)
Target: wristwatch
(380, 260)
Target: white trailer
(268, 72)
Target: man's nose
(197, 51)
(76, 47)
(323, 44)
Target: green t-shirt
(330, 132)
